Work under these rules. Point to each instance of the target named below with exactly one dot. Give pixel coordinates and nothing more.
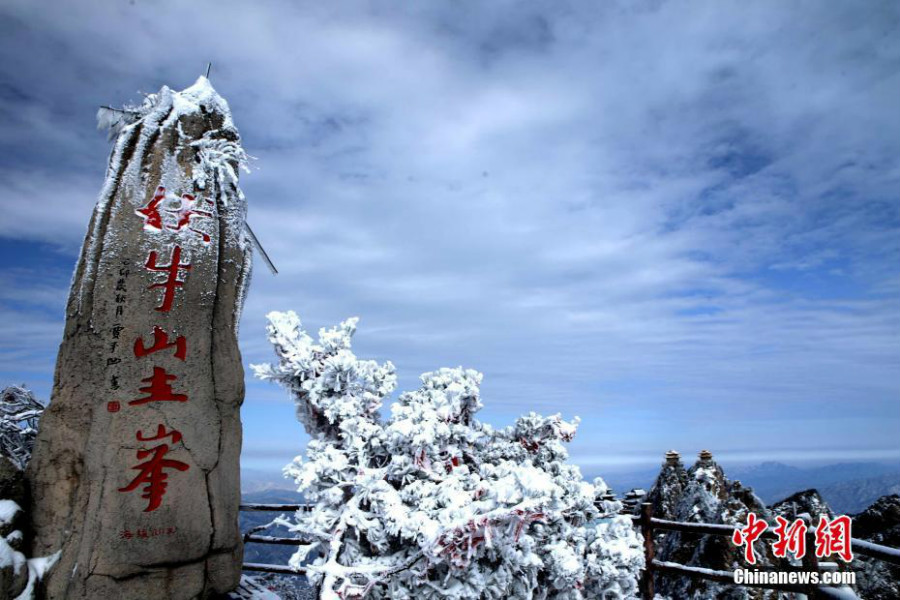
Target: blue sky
(677, 220)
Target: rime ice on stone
(135, 469)
(432, 504)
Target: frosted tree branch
(484, 513)
(19, 415)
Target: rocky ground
(284, 587)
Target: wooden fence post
(811, 562)
(647, 591)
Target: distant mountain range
(258, 480)
(855, 495)
(848, 487)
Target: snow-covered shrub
(19, 415)
(432, 503)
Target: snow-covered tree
(431, 503)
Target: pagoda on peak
(672, 457)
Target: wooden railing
(250, 537)
(647, 525)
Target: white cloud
(700, 198)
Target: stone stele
(135, 472)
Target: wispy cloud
(654, 215)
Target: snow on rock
(880, 524)
(702, 494)
(37, 568)
(807, 504)
(8, 511)
(252, 588)
(19, 575)
(13, 571)
(668, 487)
(218, 157)
(19, 415)
(431, 503)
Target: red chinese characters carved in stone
(152, 472)
(172, 281)
(161, 342)
(150, 213)
(142, 533)
(160, 389)
(188, 207)
(186, 211)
